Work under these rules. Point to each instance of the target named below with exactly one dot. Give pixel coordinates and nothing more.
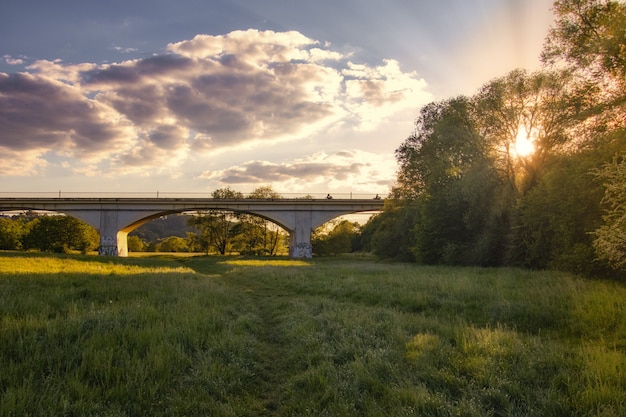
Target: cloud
(13, 61)
(348, 169)
(200, 96)
(124, 50)
(38, 113)
(19, 163)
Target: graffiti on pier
(303, 250)
(108, 246)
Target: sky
(189, 96)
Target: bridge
(114, 218)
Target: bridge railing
(171, 194)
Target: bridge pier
(300, 237)
(113, 241)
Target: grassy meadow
(222, 336)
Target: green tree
(135, 244)
(216, 225)
(60, 234)
(261, 235)
(456, 201)
(248, 235)
(12, 231)
(540, 107)
(443, 144)
(339, 239)
(589, 35)
(610, 237)
(390, 234)
(557, 217)
(172, 244)
(466, 194)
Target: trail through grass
(215, 336)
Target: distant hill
(172, 225)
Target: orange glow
(524, 143)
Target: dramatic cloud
(40, 114)
(363, 171)
(201, 96)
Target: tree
(540, 107)
(172, 244)
(443, 143)
(216, 225)
(390, 234)
(135, 244)
(260, 235)
(339, 239)
(456, 202)
(610, 237)
(557, 217)
(12, 232)
(60, 234)
(591, 36)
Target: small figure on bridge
(377, 197)
(328, 196)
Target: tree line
(467, 193)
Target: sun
(524, 143)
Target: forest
(530, 172)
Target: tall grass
(342, 337)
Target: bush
(61, 234)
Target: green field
(218, 336)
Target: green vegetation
(530, 170)
(47, 233)
(233, 336)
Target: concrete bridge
(114, 218)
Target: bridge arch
(128, 229)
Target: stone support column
(300, 237)
(113, 242)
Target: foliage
(443, 145)
(61, 234)
(557, 217)
(590, 35)
(389, 234)
(215, 229)
(256, 234)
(216, 225)
(135, 244)
(225, 231)
(218, 336)
(341, 238)
(11, 233)
(172, 244)
(457, 207)
(538, 106)
(465, 194)
(264, 191)
(610, 237)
